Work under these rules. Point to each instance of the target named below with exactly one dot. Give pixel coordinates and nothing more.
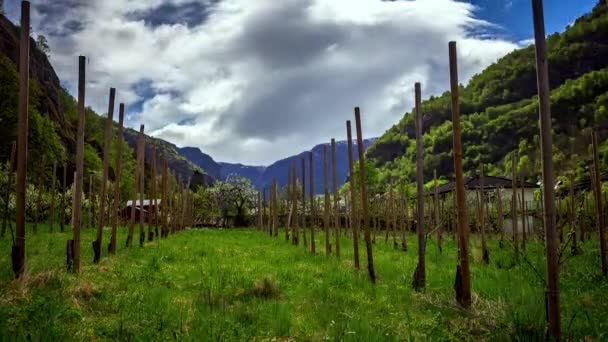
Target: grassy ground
(244, 285)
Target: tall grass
(244, 285)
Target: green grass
(243, 285)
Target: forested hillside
(499, 111)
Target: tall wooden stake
(326, 209)
(40, 191)
(354, 221)
(523, 216)
(153, 221)
(599, 205)
(116, 201)
(142, 176)
(364, 203)
(18, 251)
(552, 294)
(485, 256)
(104, 178)
(53, 195)
(294, 203)
(514, 224)
(164, 201)
(437, 219)
(304, 203)
(420, 273)
(10, 184)
(275, 213)
(312, 203)
(64, 189)
(336, 196)
(463, 274)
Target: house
(147, 209)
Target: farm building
(491, 184)
(147, 209)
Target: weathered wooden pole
(304, 203)
(294, 203)
(64, 189)
(10, 184)
(275, 214)
(336, 196)
(485, 255)
(572, 215)
(154, 201)
(500, 215)
(53, 194)
(142, 176)
(104, 177)
(354, 221)
(312, 203)
(164, 201)
(552, 294)
(326, 208)
(259, 211)
(287, 199)
(599, 205)
(91, 222)
(77, 204)
(437, 219)
(523, 215)
(118, 172)
(364, 203)
(419, 281)
(41, 168)
(463, 275)
(18, 250)
(514, 224)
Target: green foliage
(500, 111)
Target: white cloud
(260, 80)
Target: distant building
(147, 209)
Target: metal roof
(147, 202)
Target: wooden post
(524, 224)
(485, 255)
(420, 273)
(304, 203)
(437, 219)
(53, 194)
(142, 176)
(514, 224)
(40, 191)
(463, 275)
(552, 294)
(294, 203)
(77, 206)
(364, 203)
(500, 220)
(288, 195)
(275, 213)
(64, 187)
(599, 205)
(164, 200)
(118, 172)
(259, 210)
(326, 209)
(354, 221)
(312, 203)
(154, 201)
(572, 216)
(91, 222)
(336, 196)
(18, 251)
(104, 178)
(10, 184)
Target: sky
(254, 81)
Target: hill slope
(499, 110)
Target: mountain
(53, 120)
(499, 111)
(202, 160)
(251, 172)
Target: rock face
(202, 160)
(43, 73)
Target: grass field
(243, 285)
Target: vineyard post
(420, 273)
(153, 201)
(142, 175)
(598, 203)
(116, 201)
(104, 178)
(484, 246)
(514, 224)
(53, 192)
(364, 203)
(9, 187)
(313, 208)
(40, 191)
(437, 219)
(463, 276)
(304, 203)
(326, 208)
(18, 250)
(353, 204)
(336, 196)
(296, 234)
(542, 69)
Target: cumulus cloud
(255, 81)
